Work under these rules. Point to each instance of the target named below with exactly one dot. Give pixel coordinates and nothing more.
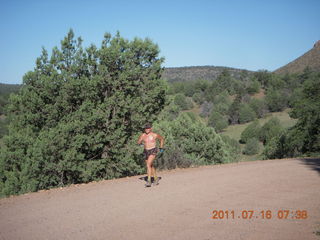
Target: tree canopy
(78, 111)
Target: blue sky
(243, 34)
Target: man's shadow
(145, 178)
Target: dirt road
(181, 207)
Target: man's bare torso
(149, 140)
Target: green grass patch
(234, 131)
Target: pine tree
(76, 116)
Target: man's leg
(149, 162)
(154, 173)
(156, 179)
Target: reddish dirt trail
(179, 208)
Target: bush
(270, 129)
(183, 102)
(190, 142)
(275, 148)
(170, 111)
(234, 110)
(217, 121)
(246, 114)
(254, 87)
(205, 109)
(222, 103)
(259, 107)
(235, 148)
(76, 116)
(251, 131)
(198, 97)
(252, 147)
(276, 100)
(3, 127)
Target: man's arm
(161, 140)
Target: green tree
(246, 114)
(76, 116)
(222, 103)
(183, 102)
(254, 86)
(190, 142)
(270, 129)
(276, 100)
(259, 107)
(251, 131)
(252, 147)
(234, 110)
(217, 121)
(307, 110)
(198, 97)
(234, 145)
(264, 77)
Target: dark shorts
(148, 152)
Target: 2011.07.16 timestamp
(263, 214)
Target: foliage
(3, 127)
(205, 108)
(76, 117)
(217, 121)
(234, 145)
(276, 100)
(270, 129)
(190, 142)
(222, 102)
(275, 147)
(198, 97)
(234, 110)
(254, 86)
(251, 131)
(264, 77)
(183, 102)
(246, 114)
(252, 147)
(259, 107)
(307, 110)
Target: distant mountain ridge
(310, 59)
(199, 72)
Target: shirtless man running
(150, 150)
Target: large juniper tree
(75, 116)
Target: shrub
(235, 148)
(276, 100)
(253, 87)
(275, 148)
(270, 129)
(217, 121)
(75, 118)
(190, 142)
(259, 107)
(252, 147)
(198, 97)
(206, 108)
(251, 131)
(183, 102)
(246, 114)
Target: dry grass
(260, 95)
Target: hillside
(181, 207)
(199, 72)
(6, 89)
(310, 59)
